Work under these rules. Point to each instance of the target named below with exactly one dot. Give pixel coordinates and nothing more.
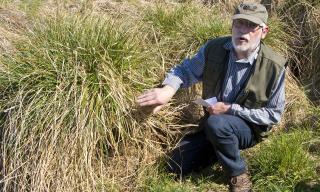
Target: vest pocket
(254, 101)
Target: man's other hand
(156, 97)
(218, 108)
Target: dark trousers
(221, 139)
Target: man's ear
(265, 31)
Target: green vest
(257, 89)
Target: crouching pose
(247, 78)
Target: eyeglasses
(238, 23)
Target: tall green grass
(179, 31)
(283, 162)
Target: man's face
(246, 35)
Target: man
(247, 78)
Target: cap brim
(248, 17)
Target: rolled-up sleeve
(188, 72)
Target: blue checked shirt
(190, 72)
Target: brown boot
(241, 183)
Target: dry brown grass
(298, 103)
(12, 23)
(303, 19)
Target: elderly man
(247, 78)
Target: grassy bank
(69, 75)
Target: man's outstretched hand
(156, 97)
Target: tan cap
(253, 12)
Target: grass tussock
(68, 98)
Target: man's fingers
(149, 102)
(157, 109)
(210, 109)
(146, 94)
(146, 98)
(155, 97)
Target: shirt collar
(228, 46)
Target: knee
(216, 127)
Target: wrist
(228, 108)
(173, 81)
(169, 89)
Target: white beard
(245, 47)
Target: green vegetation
(282, 163)
(69, 79)
(60, 87)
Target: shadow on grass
(210, 174)
(208, 179)
(307, 187)
(213, 174)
